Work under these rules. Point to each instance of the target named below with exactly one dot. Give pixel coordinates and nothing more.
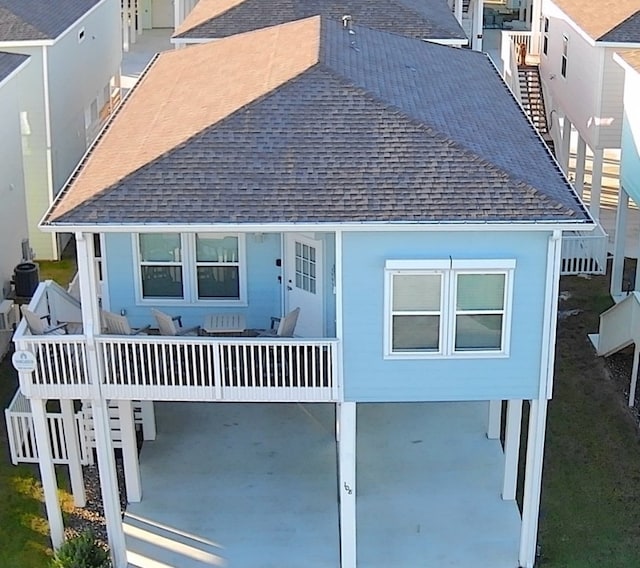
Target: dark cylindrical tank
(25, 279)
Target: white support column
(130, 452)
(566, 144)
(532, 482)
(617, 267)
(132, 20)
(580, 161)
(148, 420)
(478, 13)
(104, 445)
(536, 16)
(47, 471)
(347, 483)
(72, 444)
(634, 375)
(596, 182)
(494, 419)
(125, 27)
(458, 11)
(511, 449)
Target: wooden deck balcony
(153, 367)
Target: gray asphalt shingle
(625, 32)
(425, 19)
(383, 129)
(9, 62)
(22, 20)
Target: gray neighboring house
(430, 20)
(70, 87)
(13, 214)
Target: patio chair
(285, 326)
(172, 325)
(41, 325)
(115, 324)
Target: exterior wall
(369, 377)
(611, 108)
(263, 287)
(630, 162)
(576, 96)
(78, 71)
(13, 213)
(34, 149)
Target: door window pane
(305, 262)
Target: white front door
(304, 283)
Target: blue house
(387, 199)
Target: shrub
(82, 551)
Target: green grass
(60, 271)
(591, 489)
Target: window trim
(564, 56)
(449, 269)
(190, 276)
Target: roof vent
(347, 23)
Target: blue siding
(369, 377)
(263, 286)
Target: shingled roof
(615, 21)
(305, 122)
(631, 57)
(24, 20)
(9, 62)
(424, 19)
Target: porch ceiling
(255, 485)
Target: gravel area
(92, 515)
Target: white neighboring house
(582, 82)
(71, 87)
(13, 214)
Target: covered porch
(248, 485)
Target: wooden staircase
(533, 101)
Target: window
(447, 308)
(217, 266)
(191, 267)
(306, 267)
(545, 36)
(565, 49)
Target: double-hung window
(545, 36)
(191, 267)
(447, 308)
(565, 53)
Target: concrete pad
(254, 486)
(429, 484)
(241, 485)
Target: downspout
(48, 145)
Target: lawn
(589, 515)
(591, 487)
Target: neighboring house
(619, 326)
(430, 20)
(70, 85)
(390, 188)
(583, 84)
(13, 214)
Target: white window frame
(564, 59)
(545, 37)
(449, 270)
(189, 273)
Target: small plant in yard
(82, 551)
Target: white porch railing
(21, 435)
(584, 253)
(510, 64)
(619, 325)
(173, 368)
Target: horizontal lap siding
(369, 377)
